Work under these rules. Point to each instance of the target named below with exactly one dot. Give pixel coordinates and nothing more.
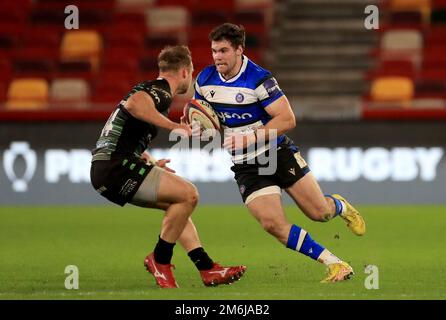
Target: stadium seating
(82, 45)
(168, 19)
(413, 46)
(401, 41)
(72, 93)
(5, 71)
(119, 40)
(392, 89)
(27, 94)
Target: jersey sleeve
(268, 91)
(198, 93)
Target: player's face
(186, 80)
(226, 58)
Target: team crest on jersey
(239, 97)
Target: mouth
(220, 64)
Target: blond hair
(173, 58)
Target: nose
(217, 55)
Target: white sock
(327, 258)
(344, 206)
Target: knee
(192, 196)
(320, 214)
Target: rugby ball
(202, 112)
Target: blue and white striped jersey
(240, 102)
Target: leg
(211, 273)
(189, 238)
(178, 198)
(268, 210)
(307, 194)
(269, 213)
(173, 194)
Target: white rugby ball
(200, 111)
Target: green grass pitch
(108, 245)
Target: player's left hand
(162, 164)
(239, 141)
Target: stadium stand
(414, 32)
(392, 89)
(73, 93)
(330, 65)
(27, 94)
(82, 46)
(325, 60)
(116, 46)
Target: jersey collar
(242, 69)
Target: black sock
(201, 259)
(163, 251)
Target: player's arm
(141, 106)
(282, 118)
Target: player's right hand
(196, 129)
(184, 130)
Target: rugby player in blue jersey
(255, 115)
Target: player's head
(227, 43)
(177, 61)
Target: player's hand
(196, 129)
(148, 158)
(183, 129)
(162, 163)
(239, 141)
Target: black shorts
(291, 167)
(118, 179)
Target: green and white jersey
(125, 135)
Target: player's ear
(239, 50)
(185, 73)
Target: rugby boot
(338, 272)
(354, 220)
(162, 272)
(221, 275)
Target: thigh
(175, 189)
(160, 189)
(267, 208)
(308, 195)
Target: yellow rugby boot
(338, 272)
(354, 220)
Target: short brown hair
(235, 34)
(172, 58)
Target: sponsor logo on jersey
(227, 115)
(155, 95)
(271, 86)
(212, 92)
